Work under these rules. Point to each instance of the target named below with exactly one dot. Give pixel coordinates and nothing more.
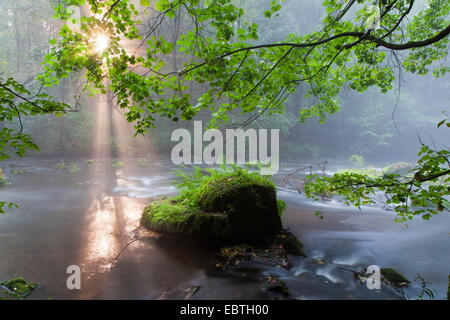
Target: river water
(91, 219)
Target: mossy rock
(394, 277)
(400, 168)
(370, 172)
(18, 287)
(448, 289)
(290, 243)
(176, 218)
(234, 208)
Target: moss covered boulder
(232, 207)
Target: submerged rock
(18, 287)
(231, 208)
(274, 284)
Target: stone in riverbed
(448, 289)
(233, 208)
(290, 243)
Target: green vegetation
(426, 289)
(356, 160)
(18, 287)
(448, 290)
(165, 216)
(248, 77)
(273, 283)
(231, 205)
(19, 171)
(369, 172)
(398, 168)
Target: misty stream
(91, 219)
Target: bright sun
(100, 42)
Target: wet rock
(232, 209)
(274, 284)
(268, 255)
(394, 277)
(290, 243)
(19, 171)
(191, 291)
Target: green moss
(61, 165)
(281, 205)
(236, 206)
(274, 284)
(18, 287)
(172, 217)
(394, 277)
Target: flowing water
(91, 219)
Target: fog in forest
(380, 127)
